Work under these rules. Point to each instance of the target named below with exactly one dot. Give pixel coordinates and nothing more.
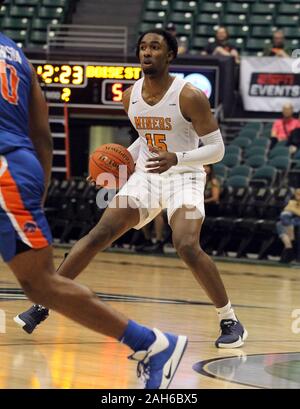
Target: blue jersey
(15, 86)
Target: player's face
(154, 54)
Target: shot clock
(101, 86)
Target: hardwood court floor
(157, 291)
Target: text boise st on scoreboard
(91, 85)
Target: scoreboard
(101, 86)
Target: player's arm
(39, 130)
(134, 148)
(195, 108)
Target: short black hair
(169, 38)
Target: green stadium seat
(42, 23)
(241, 170)
(292, 1)
(259, 8)
(262, 31)
(260, 20)
(279, 151)
(237, 8)
(255, 151)
(231, 160)
(238, 31)
(27, 3)
(264, 176)
(253, 126)
(211, 7)
(199, 43)
(292, 32)
(238, 43)
(184, 6)
(16, 11)
(233, 149)
(262, 142)
(270, 1)
(14, 23)
(288, 8)
(148, 26)
(16, 35)
(205, 31)
(256, 44)
(157, 5)
(3, 10)
(55, 3)
(281, 144)
(256, 161)
(184, 29)
(234, 19)
(284, 21)
(38, 37)
(220, 170)
(154, 16)
(248, 133)
(181, 18)
(282, 163)
(268, 126)
(208, 19)
(242, 142)
(237, 181)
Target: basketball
(107, 159)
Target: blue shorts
(21, 215)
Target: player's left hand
(162, 162)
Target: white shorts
(152, 193)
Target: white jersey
(163, 126)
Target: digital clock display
(62, 75)
(101, 86)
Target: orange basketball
(105, 162)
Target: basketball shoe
(158, 365)
(29, 319)
(233, 334)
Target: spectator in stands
(182, 44)
(289, 219)
(283, 127)
(294, 139)
(222, 46)
(212, 191)
(277, 47)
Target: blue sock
(137, 337)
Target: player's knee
(187, 246)
(39, 290)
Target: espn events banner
(266, 83)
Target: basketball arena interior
(244, 55)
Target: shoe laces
(143, 365)
(227, 326)
(39, 312)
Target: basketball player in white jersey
(171, 116)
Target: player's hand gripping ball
(110, 166)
